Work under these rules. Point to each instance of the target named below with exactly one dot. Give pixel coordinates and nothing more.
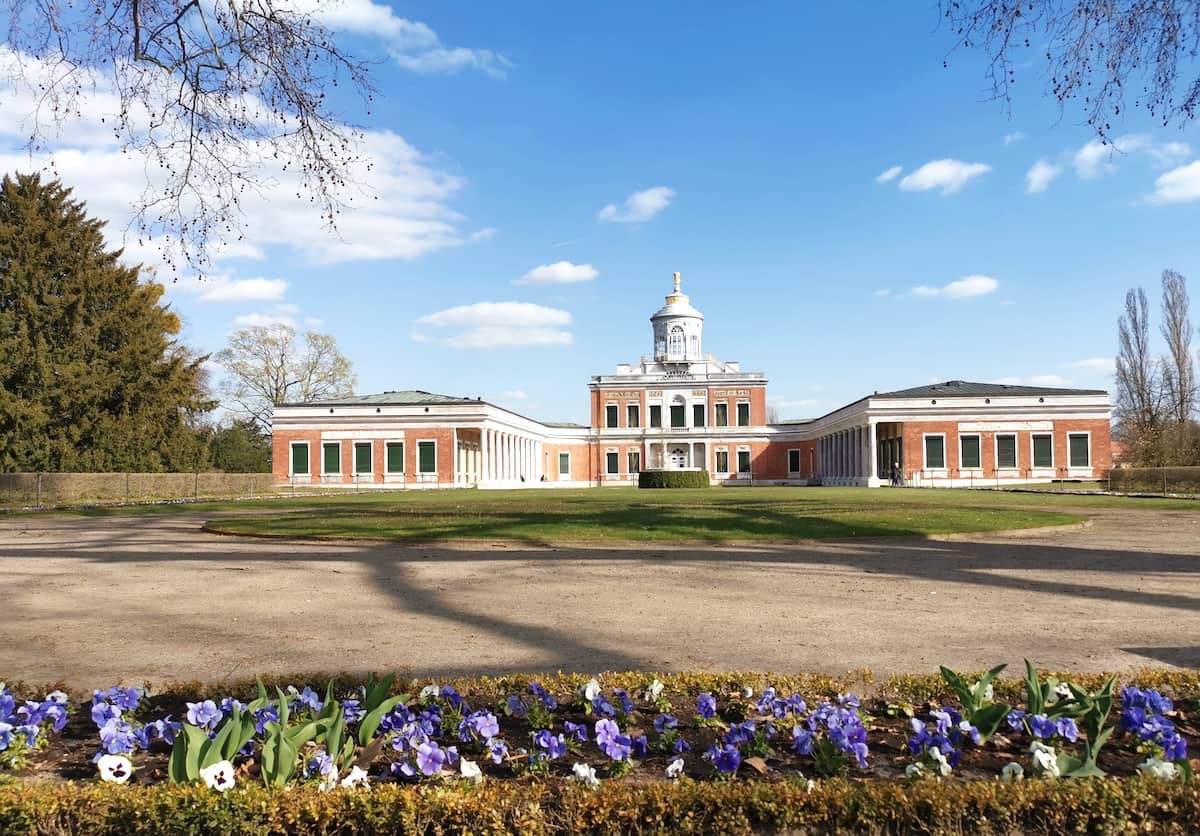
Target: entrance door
(678, 458)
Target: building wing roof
(963, 388)
(406, 397)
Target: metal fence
(42, 489)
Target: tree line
(1156, 398)
(93, 375)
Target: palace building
(679, 408)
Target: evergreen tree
(239, 447)
(91, 375)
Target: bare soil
(93, 601)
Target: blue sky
(743, 148)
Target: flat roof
(965, 388)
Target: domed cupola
(677, 330)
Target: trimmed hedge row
(554, 807)
(673, 479)
(1155, 479)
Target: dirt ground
(94, 601)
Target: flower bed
(639, 732)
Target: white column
(873, 453)
(483, 454)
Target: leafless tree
(265, 367)
(207, 90)
(1139, 399)
(1103, 52)
(1179, 371)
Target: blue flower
(516, 706)
(544, 696)
(665, 721)
(102, 712)
(706, 706)
(482, 724)
(1042, 726)
(497, 750)
(554, 746)
(117, 738)
(641, 746)
(264, 715)
(308, 699)
(603, 706)
(802, 740)
(627, 706)
(1067, 729)
(430, 758)
(606, 730)
(681, 746)
(204, 714)
(321, 763)
(576, 731)
(452, 697)
(726, 759)
(740, 733)
(353, 710)
(1016, 719)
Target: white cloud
(891, 174)
(441, 60)
(501, 324)
(1095, 157)
(398, 209)
(560, 272)
(948, 176)
(484, 234)
(1179, 185)
(639, 206)
(964, 288)
(242, 290)
(1051, 380)
(883, 291)
(288, 308)
(1099, 364)
(1015, 136)
(265, 320)
(1039, 176)
(511, 395)
(313, 322)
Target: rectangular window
(722, 461)
(612, 463)
(395, 457)
(610, 415)
(1043, 451)
(564, 464)
(633, 415)
(743, 461)
(677, 415)
(331, 457)
(1077, 449)
(969, 451)
(722, 414)
(426, 457)
(655, 416)
(300, 459)
(363, 454)
(634, 461)
(743, 415)
(935, 452)
(1006, 451)
(793, 461)
(698, 414)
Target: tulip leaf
(378, 690)
(196, 738)
(177, 765)
(213, 751)
(989, 718)
(370, 723)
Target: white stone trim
(423, 475)
(996, 451)
(978, 445)
(292, 475)
(1091, 459)
(354, 445)
(925, 468)
(1033, 466)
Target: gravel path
(94, 600)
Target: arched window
(694, 343)
(675, 341)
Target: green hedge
(1155, 479)
(560, 807)
(673, 479)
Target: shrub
(673, 479)
(1155, 479)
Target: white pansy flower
(430, 692)
(747, 691)
(219, 776)
(329, 780)
(471, 771)
(675, 768)
(654, 691)
(1160, 769)
(940, 763)
(988, 692)
(114, 769)
(356, 778)
(591, 690)
(1044, 761)
(914, 770)
(54, 696)
(585, 774)
(1012, 771)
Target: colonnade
(849, 456)
(507, 457)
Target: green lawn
(627, 514)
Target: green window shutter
(395, 457)
(564, 464)
(743, 461)
(935, 452)
(610, 415)
(677, 415)
(1006, 451)
(743, 415)
(612, 463)
(1078, 445)
(362, 458)
(698, 414)
(722, 415)
(970, 451)
(331, 458)
(1043, 451)
(656, 416)
(300, 459)
(426, 457)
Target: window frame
(740, 404)
(1087, 436)
(925, 451)
(749, 460)
(1016, 450)
(699, 410)
(633, 415)
(612, 416)
(561, 454)
(292, 458)
(682, 407)
(633, 461)
(720, 420)
(799, 460)
(387, 445)
(676, 332)
(962, 464)
(717, 453)
(326, 446)
(427, 441)
(369, 444)
(1033, 465)
(656, 416)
